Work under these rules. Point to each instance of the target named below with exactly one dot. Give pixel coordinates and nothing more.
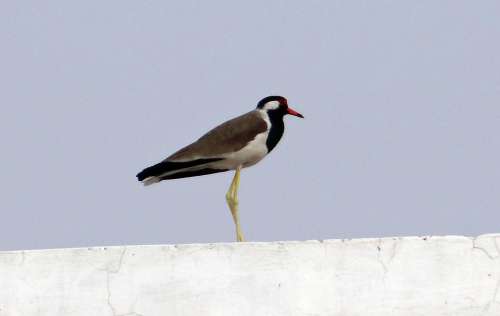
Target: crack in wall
(483, 250)
(380, 259)
(394, 250)
(385, 258)
(108, 288)
(109, 271)
(380, 256)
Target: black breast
(276, 131)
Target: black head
(277, 104)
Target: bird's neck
(276, 130)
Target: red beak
(294, 113)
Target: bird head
(278, 105)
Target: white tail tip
(150, 181)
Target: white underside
(248, 156)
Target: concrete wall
(390, 276)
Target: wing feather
(228, 137)
(165, 167)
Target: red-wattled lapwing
(233, 145)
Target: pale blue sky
(401, 137)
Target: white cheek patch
(272, 105)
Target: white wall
(390, 276)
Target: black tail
(168, 166)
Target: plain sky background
(401, 136)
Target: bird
(236, 144)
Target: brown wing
(230, 136)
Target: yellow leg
(232, 202)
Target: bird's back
(228, 137)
